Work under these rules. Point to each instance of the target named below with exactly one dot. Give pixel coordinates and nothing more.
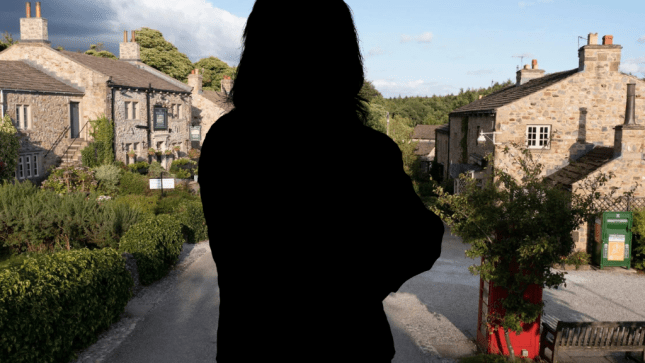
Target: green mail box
(613, 239)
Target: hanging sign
(195, 133)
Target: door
(73, 114)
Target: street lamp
(481, 139)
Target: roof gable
(425, 131)
(122, 72)
(18, 75)
(581, 168)
(513, 93)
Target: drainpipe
(148, 118)
(1, 104)
(114, 126)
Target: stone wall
(49, 117)
(128, 137)
(441, 151)
(57, 65)
(204, 113)
(582, 111)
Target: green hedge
(55, 304)
(193, 224)
(638, 228)
(155, 243)
(134, 183)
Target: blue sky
(411, 47)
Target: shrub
(638, 228)
(89, 155)
(144, 204)
(155, 169)
(194, 153)
(9, 149)
(134, 183)
(577, 258)
(108, 177)
(191, 216)
(183, 168)
(155, 243)
(103, 134)
(138, 166)
(64, 180)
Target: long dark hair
(305, 60)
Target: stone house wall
(476, 123)
(441, 151)
(65, 70)
(128, 137)
(204, 113)
(49, 116)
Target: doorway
(74, 122)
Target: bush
(141, 165)
(134, 183)
(191, 217)
(155, 243)
(577, 258)
(155, 169)
(64, 180)
(638, 239)
(9, 149)
(194, 153)
(89, 155)
(183, 168)
(144, 204)
(108, 177)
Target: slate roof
(444, 128)
(581, 168)
(512, 93)
(424, 148)
(425, 131)
(18, 75)
(123, 73)
(219, 99)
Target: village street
(433, 316)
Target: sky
(410, 47)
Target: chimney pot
(132, 40)
(592, 39)
(28, 10)
(192, 72)
(125, 36)
(38, 9)
(526, 66)
(608, 40)
(534, 64)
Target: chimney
(527, 74)
(33, 30)
(129, 51)
(599, 58)
(227, 85)
(628, 137)
(195, 80)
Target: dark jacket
(310, 227)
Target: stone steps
(73, 154)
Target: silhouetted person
(311, 218)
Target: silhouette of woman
(311, 218)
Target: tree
(213, 72)
(530, 219)
(163, 55)
(8, 41)
(9, 149)
(97, 51)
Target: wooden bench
(624, 336)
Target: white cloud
(195, 27)
(423, 38)
(633, 65)
(641, 39)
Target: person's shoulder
(380, 141)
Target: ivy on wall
(464, 140)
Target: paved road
(433, 316)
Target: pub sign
(195, 133)
(161, 118)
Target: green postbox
(613, 239)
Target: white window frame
(539, 131)
(28, 166)
(23, 113)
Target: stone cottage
(425, 151)
(561, 117)
(149, 108)
(208, 106)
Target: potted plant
(151, 151)
(177, 148)
(168, 152)
(158, 152)
(131, 153)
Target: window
(23, 117)
(538, 136)
(127, 110)
(27, 166)
(160, 118)
(179, 111)
(134, 111)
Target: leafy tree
(9, 149)
(8, 41)
(213, 71)
(100, 151)
(97, 51)
(163, 55)
(518, 225)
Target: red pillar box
(495, 342)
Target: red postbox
(527, 343)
